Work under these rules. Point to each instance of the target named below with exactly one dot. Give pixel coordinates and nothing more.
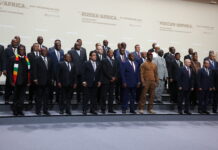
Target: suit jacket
(1, 57)
(108, 70)
(128, 75)
(54, 60)
(174, 69)
(215, 79)
(90, 76)
(169, 59)
(118, 54)
(204, 80)
(78, 60)
(64, 76)
(213, 67)
(41, 73)
(105, 49)
(8, 54)
(161, 67)
(98, 57)
(184, 80)
(137, 56)
(31, 57)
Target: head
(177, 56)
(172, 50)
(18, 39)
(153, 45)
(44, 51)
(206, 63)
(187, 62)
(144, 54)
(157, 48)
(212, 56)
(40, 40)
(14, 43)
(122, 51)
(131, 57)
(77, 46)
(35, 47)
(92, 56)
(67, 58)
(110, 53)
(79, 41)
(57, 45)
(123, 45)
(160, 53)
(119, 45)
(99, 49)
(149, 56)
(105, 42)
(97, 44)
(137, 48)
(21, 50)
(195, 56)
(190, 51)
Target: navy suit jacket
(54, 60)
(203, 80)
(184, 80)
(128, 75)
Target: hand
(74, 86)
(192, 89)
(35, 81)
(180, 88)
(200, 89)
(113, 79)
(124, 85)
(171, 80)
(4, 72)
(59, 85)
(84, 84)
(98, 84)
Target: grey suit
(162, 75)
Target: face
(188, 62)
(110, 53)
(105, 42)
(44, 52)
(154, 44)
(122, 51)
(58, 46)
(195, 57)
(21, 51)
(40, 40)
(36, 47)
(160, 53)
(212, 56)
(99, 49)
(131, 57)
(149, 57)
(93, 57)
(67, 58)
(157, 49)
(119, 46)
(178, 57)
(206, 64)
(123, 45)
(173, 50)
(14, 43)
(78, 46)
(137, 48)
(80, 41)
(144, 54)
(18, 39)
(190, 51)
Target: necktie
(68, 65)
(46, 63)
(94, 65)
(133, 66)
(100, 56)
(58, 55)
(189, 72)
(208, 73)
(122, 58)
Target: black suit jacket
(8, 54)
(215, 79)
(98, 57)
(108, 70)
(78, 60)
(90, 76)
(31, 57)
(1, 57)
(169, 58)
(174, 70)
(41, 73)
(64, 76)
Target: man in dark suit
(91, 82)
(17, 38)
(205, 86)
(56, 55)
(66, 80)
(105, 47)
(170, 57)
(173, 71)
(189, 56)
(32, 55)
(108, 80)
(42, 77)
(81, 43)
(19, 78)
(100, 53)
(78, 55)
(153, 48)
(9, 52)
(130, 81)
(137, 53)
(40, 41)
(1, 58)
(215, 79)
(116, 50)
(185, 86)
